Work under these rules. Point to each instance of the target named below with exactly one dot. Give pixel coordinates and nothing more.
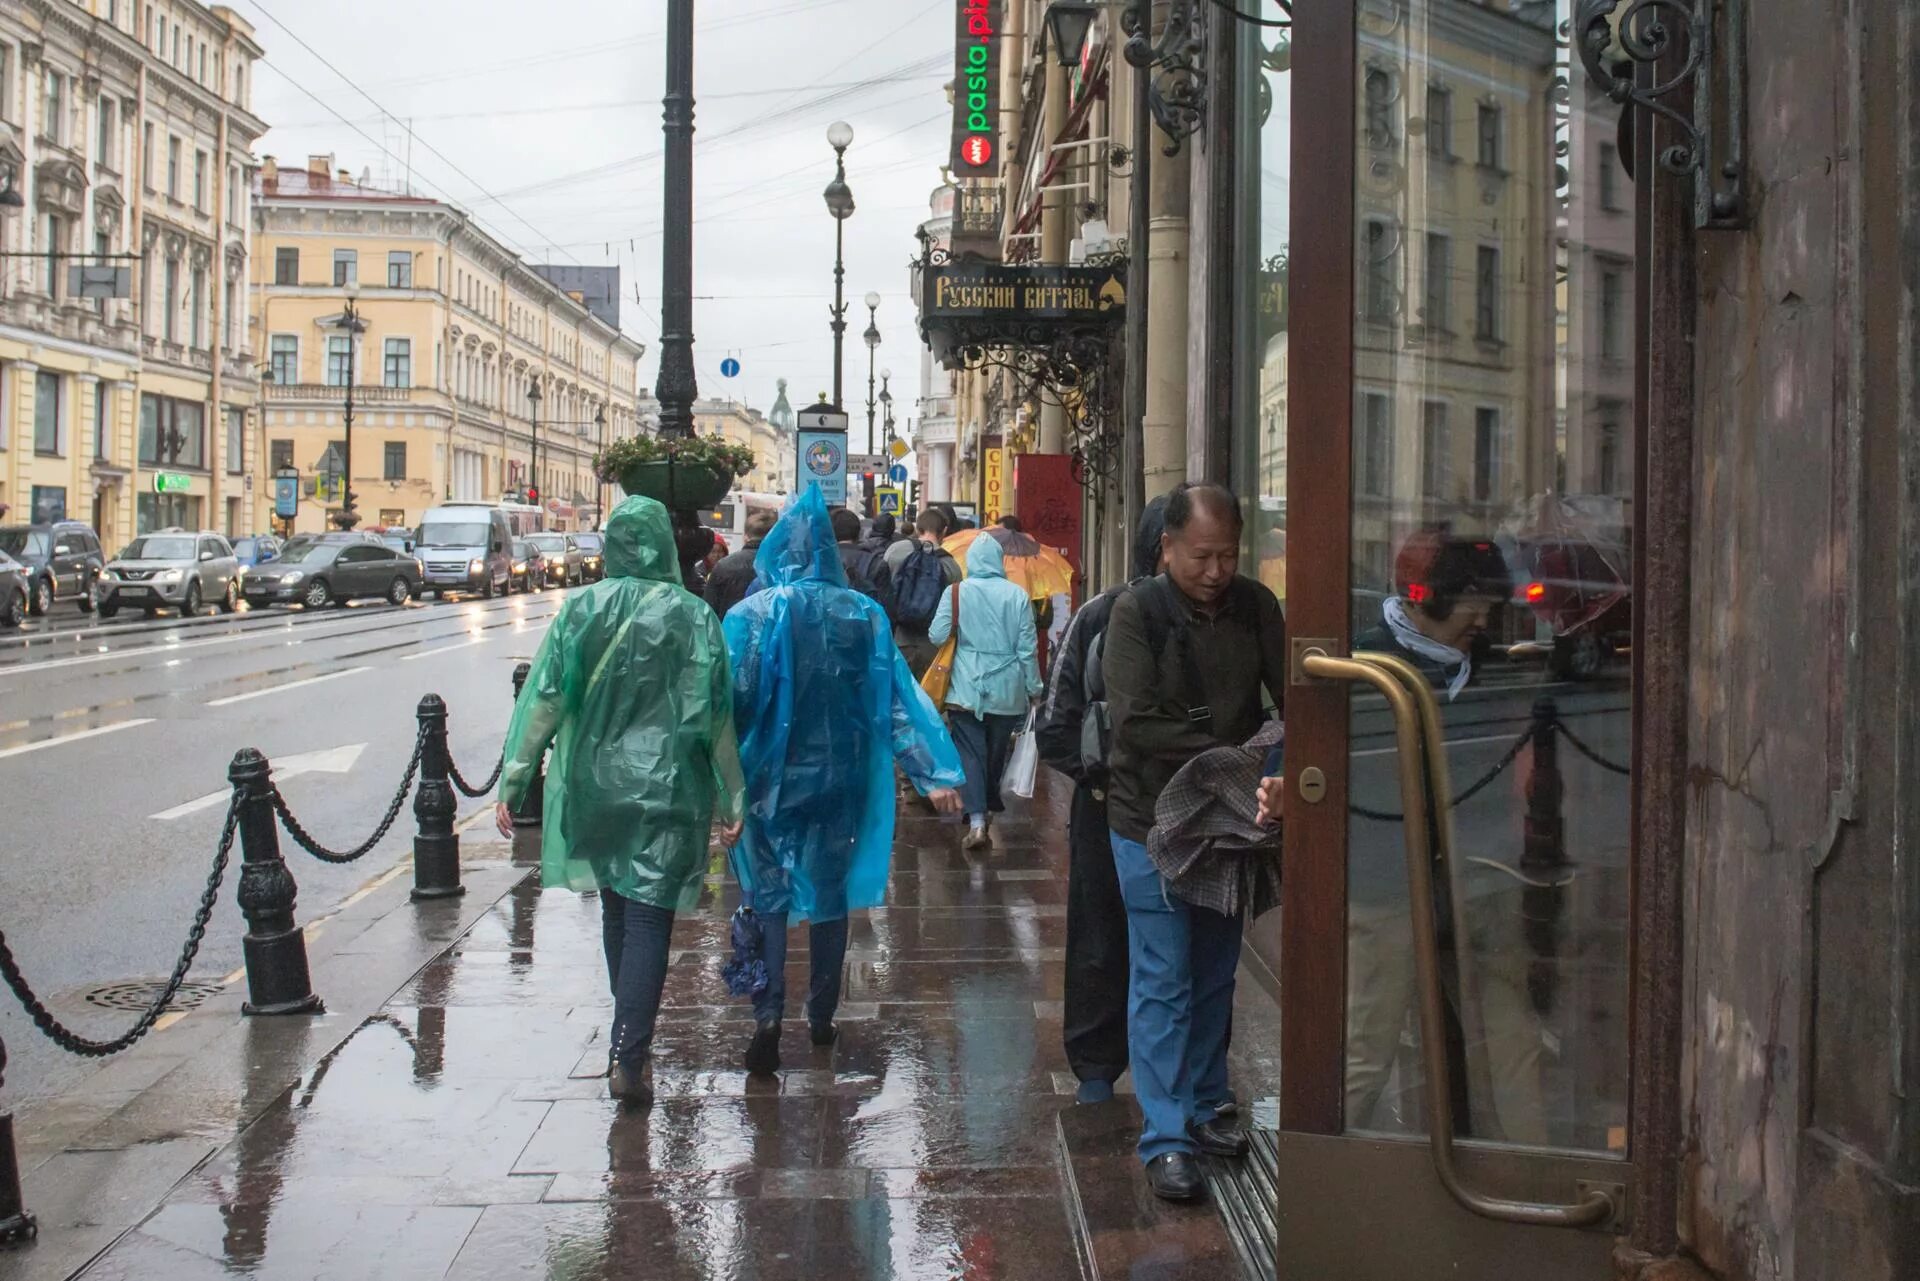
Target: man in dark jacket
(867, 571)
(1095, 1018)
(1186, 655)
(732, 578)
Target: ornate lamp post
(839, 199)
(351, 325)
(600, 488)
(886, 414)
(873, 347)
(676, 386)
(533, 460)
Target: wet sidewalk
(463, 1131)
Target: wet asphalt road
(105, 728)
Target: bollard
(276, 951)
(534, 807)
(16, 1225)
(436, 846)
(1543, 856)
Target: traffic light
(533, 495)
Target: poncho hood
(800, 547)
(985, 559)
(639, 542)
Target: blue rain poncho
(824, 704)
(632, 689)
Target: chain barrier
(305, 840)
(453, 772)
(1513, 754)
(1586, 751)
(72, 1042)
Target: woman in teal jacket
(996, 673)
(633, 692)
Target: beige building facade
(771, 441)
(126, 135)
(452, 337)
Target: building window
(6, 82)
(1379, 247)
(233, 194)
(396, 460)
(1486, 294)
(1376, 445)
(173, 433)
(102, 414)
(1607, 459)
(49, 503)
(1489, 126)
(173, 168)
(146, 156)
(1612, 308)
(203, 64)
(346, 268)
(106, 151)
(200, 181)
(1609, 176)
(56, 234)
(280, 455)
(236, 441)
(1435, 450)
(339, 358)
(170, 302)
(229, 334)
(1379, 98)
(54, 119)
(197, 314)
(283, 362)
(399, 270)
(1486, 454)
(1439, 284)
(46, 414)
(286, 266)
(399, 362)
(1439, 122)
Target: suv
(62, 559)
(173, 568)
(13, 592)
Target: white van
(465, 547)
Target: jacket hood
(1146, 540)
(800, 546)
(985, 559)
(639, 542)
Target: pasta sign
(976, 89)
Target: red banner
(1047, 500)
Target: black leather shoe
(1173, 1176)
(632, 1086)
(763, 1052)
(824, 1033)
(1218, 1138)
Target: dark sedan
(13, 591)
(594, 548)
(529, 567)
(322, 572)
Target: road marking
(443, 649)
(74, 738)
(281, 689)
(335, 760)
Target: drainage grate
(137, 994)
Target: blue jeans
(828, 942)
(983, 743)
(1179, 1002)
(636, 937)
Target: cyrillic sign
(976, 89)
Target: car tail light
(1536, 591)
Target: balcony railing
(362, 394)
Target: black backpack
(918, 587)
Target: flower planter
(682, 486)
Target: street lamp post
(351, 325)
(600, 489)
(873, 347)
(886, 414)
(839, 198)
(533, 460)
(676, 386)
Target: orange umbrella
(1042, 571)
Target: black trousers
(1095, 1019)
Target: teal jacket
(996, 667)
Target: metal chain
(71, 1041)
(1586, 751)
(306, 842)
(1513, 753)
(453, 772)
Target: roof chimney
(345, 177)
(269, 171)
(320, 166)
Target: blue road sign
(729, 368)
(897, 474)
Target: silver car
(172, 569)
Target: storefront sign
(976, 89)
(1093, 296)
(996, 488)
(823, 461)
(171, 482)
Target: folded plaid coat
(1206, 840)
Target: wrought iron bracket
(1644, 54)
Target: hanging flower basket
(684, 473)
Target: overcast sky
(544, 122)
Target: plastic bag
(1023, 762)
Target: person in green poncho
(633, 691)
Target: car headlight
(109, 575)
(167, 576)
(288, 580)
(477, 567)
(519, 567)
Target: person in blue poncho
(824, 705)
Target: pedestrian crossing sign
(886, 500)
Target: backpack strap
(1162, 615)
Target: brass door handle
(1420, 751)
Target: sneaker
(631, 1084)
(763, 1052)
(977, 837)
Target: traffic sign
(729, 368)
(886, 499)
(823, 461)
(286, 494)
(876, 463)
(898, 449)
(897, 474)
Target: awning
(1094, 88)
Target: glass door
(1454, 968)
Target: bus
(729, 519)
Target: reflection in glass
(1262, 357)
(1491, 529)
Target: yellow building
(125, 141)
(453, 333)
(772, 443)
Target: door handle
(1418, 749)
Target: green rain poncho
(633, 691)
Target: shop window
(395, 460)
(48, 438)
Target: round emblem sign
(823, 458)
(976, 150)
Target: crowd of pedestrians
(846, 666)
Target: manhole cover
(138, 994)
